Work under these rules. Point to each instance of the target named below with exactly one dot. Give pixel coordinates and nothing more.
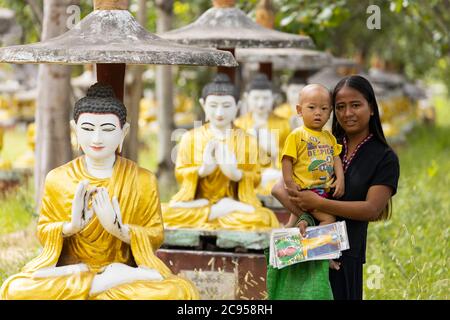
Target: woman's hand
(335, 265)
(81, 215)
(307, 200)
(302, 225)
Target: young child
(310, 158)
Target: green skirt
(301, 281)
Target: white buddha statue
(217, 169)
(100, 220)
(270, 130)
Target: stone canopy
(113, 37)
(229, 27)
(299, 59)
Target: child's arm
(339, 183)
(287, 169)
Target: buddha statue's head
(219, 101)
(259, 95)
(99, 122)
(294, 86)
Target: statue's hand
(109, 215)
(209, 163)
(268, 142)
(81, 215)
(227, 162)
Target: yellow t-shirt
(313, 155)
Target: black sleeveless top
(373, 164)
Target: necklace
(346, 161)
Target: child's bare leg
(281, 194)
(292, 220)
(324, 218)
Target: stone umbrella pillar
(226, 27)
(265, 16)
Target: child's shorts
(321, 192)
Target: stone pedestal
(223, 264)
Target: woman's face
(352, 111)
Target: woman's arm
(369, 210)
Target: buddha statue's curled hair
(260, 82)
(220, 86)
(101, 99)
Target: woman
(371, 176)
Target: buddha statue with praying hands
(217, 169)
(100, 220)
(269, 129)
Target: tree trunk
(164, 94)
(133, 96)
(53, 147)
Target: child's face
(315, 108)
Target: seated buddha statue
(100, 220)
(217, 170)
(288, 110)
(270, 130)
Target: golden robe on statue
(217, 186)
(137, 193)
(281, 128)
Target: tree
(414, 35)
(53, 147)
(134, 94)
(164, 93)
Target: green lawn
(410, 251)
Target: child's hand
(339, 188)
(291, 188)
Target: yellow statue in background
(100, 220)
(288, 110)
(4, 164)
(26, 161)
(270, 130)
(217, 169)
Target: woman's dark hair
(100, 99)
(363, 86)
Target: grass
(15, 143)
(410, 250)
(16, 210)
